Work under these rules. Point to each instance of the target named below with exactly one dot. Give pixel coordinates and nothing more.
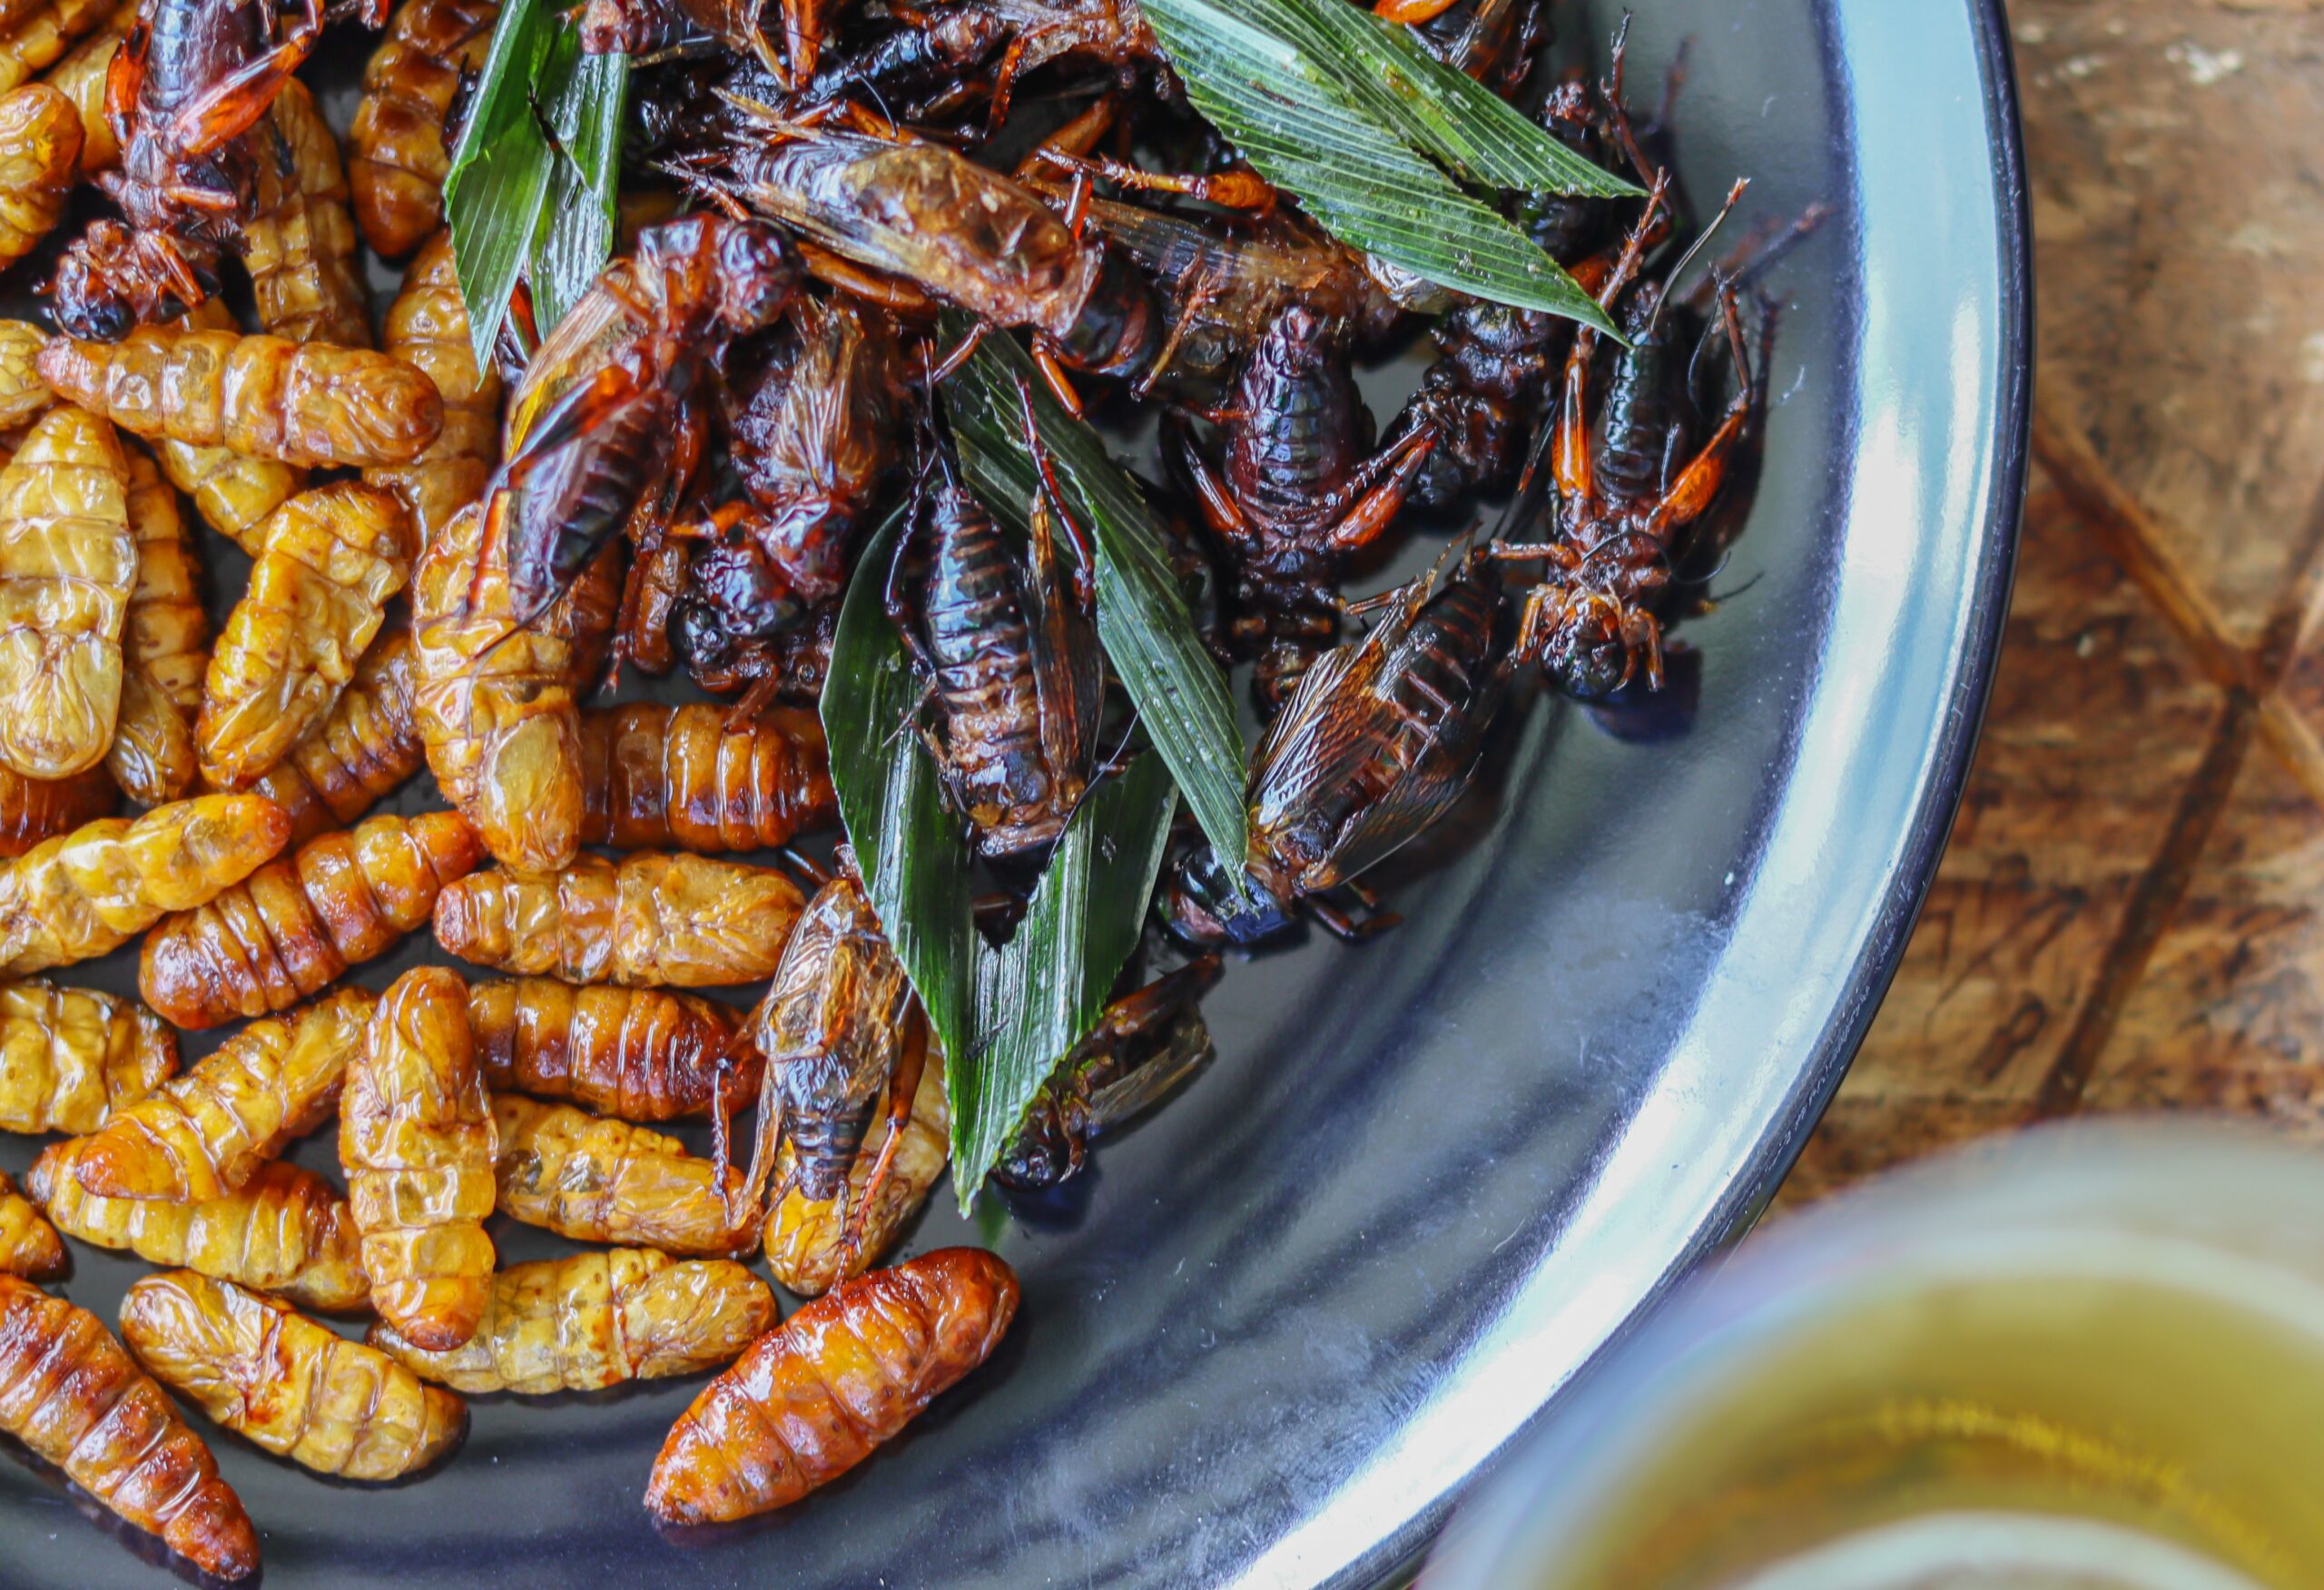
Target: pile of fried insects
(448, 561)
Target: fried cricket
(164, 647)
(71, 1057)
(40, 155)
(29, 1245)
(205, 1134)
(596, 1319)
(416, 1137)
(265, 1371)
(367, 745)
(599, 1180)
(843, 1375)
(300, 403)
(333, 556)
(654, 775)
(808, 1245)
(647, 920)
(67, 565)
(428, 329)
(397, 158)
(70, 1393)
(284, 1230)
(294, 927)
(93, 890)
(639, 1053)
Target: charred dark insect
(1294, 495)
(1480, 399)
(1145, 1045)
(1378, 741)
(190, 82)
(1624, 498)
(609, 417)
(1009, 651)
(1496, 41)
(922, 70)
(787, 666)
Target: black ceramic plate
(1428, 1178)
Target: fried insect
(35, 809)
(30, 1247)
(40, 154)
(845, 1374)
(79, 77)
(416, 1139)
(1145, 1045)
(649, 921)
(599, 1180)
(598, 1319)
(367, 745)
(67, 565)
(23, 396)
(298, 403)
(91, 890)
(70, 1057)
(397, 158)
(1480, 397)
(428, 329)
(34, 39)
(70, 1393)
(333, 555)
(284, 1230)
(495, 697)
(656, 776)
(164, 647)
(639, 1053)
(299, 244)
(205, 1134)
(233, 493)
(1377, 742)
(266, 1372)
(294, 927)
(810, 1244)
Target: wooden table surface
(2127, 917)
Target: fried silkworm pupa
(267, 1372)
(23, 396)
(79, 77)
(67, 565)
(428, 329)
(284, 1230)
(397, 160)
(494, 697)
(33, 42)
(367, 745)
(308, 403)
(233, 494)
(71, 1057)
(640, 1053)
(845, 1374)
(596, 1319)
(806, 1237)
(70, 1393)
(654, 775)
(29, 1245)
(300, 247)
(90, 892)
(293, 927)
(416, 1139)
(164, 647)
(205, 1134)
(333, 555)
(599, 1180)
(649, 921)
(40, 155)
(34, 809)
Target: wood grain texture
(2128, 915)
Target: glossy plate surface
(1428, 1178)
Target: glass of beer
(2088, 1357)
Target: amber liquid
(2058, 1427)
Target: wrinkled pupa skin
(285, 1230)
(428, 329)
(333, 556)
(234, 493)
(71, 1057)
(33, 42)
(263, 1370)
(79, 77)
(68, 562)
(164, 647)
(597, 1180)
(397, 157)
(294, 927)
(33, 810)
(40, 155)
(635, 1053)
(72, 1394)
(365, 746)
(416, 1139)
(598, 1319)
(300, 247)
(29, 1245)
(87, 893)
(654, 775)
(23, 396)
